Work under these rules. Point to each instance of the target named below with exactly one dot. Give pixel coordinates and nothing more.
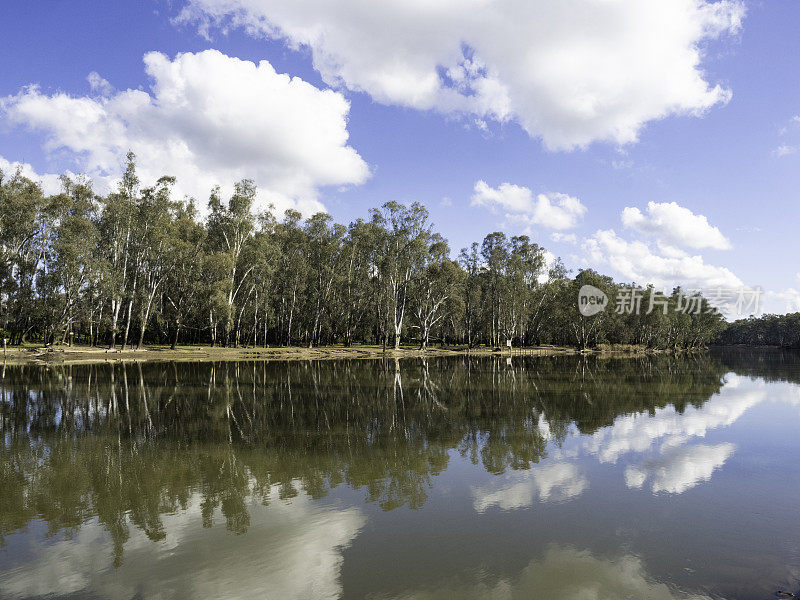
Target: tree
(154, 233)
(439, 281)
(186, 256)
(22, 245)
(405, 241)
(291, 277)
(494, 251)
(116, 229)
(324, 259)
(70, 262)
(138, 263)
(469, 261)
(229, 230)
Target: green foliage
(768, 330)
(138, 264)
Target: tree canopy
(138, 266)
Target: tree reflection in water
(130, 443)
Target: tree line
(768, 330)
(138, 266)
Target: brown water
(567, 477)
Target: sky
(653, 140)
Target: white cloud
(552, 482)
(291, 550)
(635, 261)
(556, 211)
(641, 432)
(679, 469)
(783, 150)
(99, 85)
(49, 182)
(564, 238)
(780, 302)
(544, 276)
(210, 119)
(565, 573)
(676, 225)
(783, 301)
(570, 72)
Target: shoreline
(85, 355)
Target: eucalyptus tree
(470, 262)
(405, 242)
(543, 297)
(264, 252)
(358, 281)
(22, 232)
(186, 254)
(494, 251)
(69, 261)
(440, 280)
(525, 265)
(324, 261)
(767, 330)
(575, 328)
(230, 229)
(291, 275)
(116, 230)
(154, 232)
(142, 264)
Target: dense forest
(138, 266)
(767, 330)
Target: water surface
(530, 477)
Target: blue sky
(363, 124)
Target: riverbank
(86, 354)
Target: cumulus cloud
(49, 182)
(209, 119)
(556, 211)
(676, 225)
(570, 72)
(680, 469)
(636, 261)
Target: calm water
(569, 478)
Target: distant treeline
(768, 330)
(137, 266)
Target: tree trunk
(115, 306)
(127, 324)
(175, 337)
